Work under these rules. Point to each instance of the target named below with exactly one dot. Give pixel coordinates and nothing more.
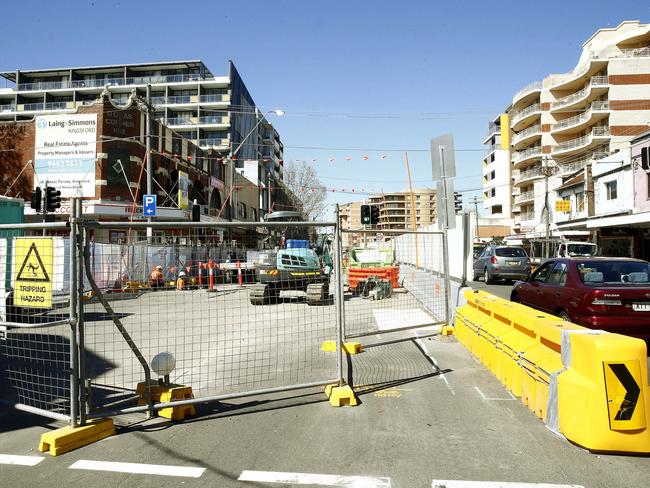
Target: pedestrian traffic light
(52, 199)
(458, 202)
(365, 214)
(374, 214)
(37, 196)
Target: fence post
(445, 267)
(84, 390)
(338, 298)
(73, 314)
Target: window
(614, 271)
(648, 192)
(241, 210)
(611, 189)
(541, 275)
(558, 275)
(580, 201)
(510, 252)
(497, 209)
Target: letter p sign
(149, 205)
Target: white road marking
(20, 460)
(136, 468)
(314, 479)
(435, 367)
(494, 484)
(493, 399)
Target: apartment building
(497, 195)
(350, 218)
(563, 123)
(396, 212)
(212, 113)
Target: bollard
(211, 273)
(239, 276)
(200, 274)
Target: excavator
(296, 263)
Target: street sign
(33, 268)
(446, 207)
(563, 205)
(624, 398)
(149, 205)
(443, 163)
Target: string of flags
(314, 189)
(333, 159)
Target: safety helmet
(182, 273)
(158, 267)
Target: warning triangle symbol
(32, 268)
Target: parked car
(502, 262)
(611, 294)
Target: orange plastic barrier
(390, 273)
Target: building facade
(497, 197)
(563, 123)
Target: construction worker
(156, 278)
(180, 283)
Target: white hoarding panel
(65, 153)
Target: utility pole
(148, 157)
(475, 202)
(547, 171)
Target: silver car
(502, 262)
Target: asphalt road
(501, 289)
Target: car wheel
(487, 278)
(564, 316)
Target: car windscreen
(581, 249)
(614, 272)
(510, 252)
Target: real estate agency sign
(65, 153)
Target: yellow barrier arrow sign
(624, 400)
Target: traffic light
(458, 202)
(374, 214)
(37, 196)
(196, 213)
(365, 214)
(52, 199)
(369, 214)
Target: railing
(520, 136)
(213, 119)
(517, 116)
(529, 195)
(600, 131)
(180, 121)
(639, 52)
(493, 128)
(215, 98)
(579, 95)
(526, 216)
(492, 147)
(582, 141)
(8, 107)
(158, 100)
(534, 86)
(572, 167)
(30, 107)
(529, 173)
(532, 151)
(595, 106)
(213, 142)
(179, 99)
(98, 83)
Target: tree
(303, 181)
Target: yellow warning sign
(624, 397)
(33, 269)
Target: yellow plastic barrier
(588, 385)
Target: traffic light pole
(44, 204)
(445, 236)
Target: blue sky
(349, 74)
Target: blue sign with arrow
(149, 205)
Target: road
(429, 411)
(501, 289)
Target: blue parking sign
(149, 205)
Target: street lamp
(277, 112)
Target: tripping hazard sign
(33, 268)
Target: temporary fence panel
(226, 317)
(395, 280)
(35, 334)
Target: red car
(611, 294)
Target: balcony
(534, 87)
(597, 85)
(102, 82)
(520, 118)
(179, 100)
(214, 120)
(216, 98)
(526, 135)
(181, 121)
(526, 216)
(214, 142)
(492, 147)
(527, 175)
(525, 197)
(493, 128)
(11, 107)
(598, 110)
(41, 107)
(580, 143)
(573, 166)
(527, 155)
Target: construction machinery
(293, 265)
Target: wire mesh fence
(35, 345)
(394, 280)
(225, 312)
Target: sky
(381, 77)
